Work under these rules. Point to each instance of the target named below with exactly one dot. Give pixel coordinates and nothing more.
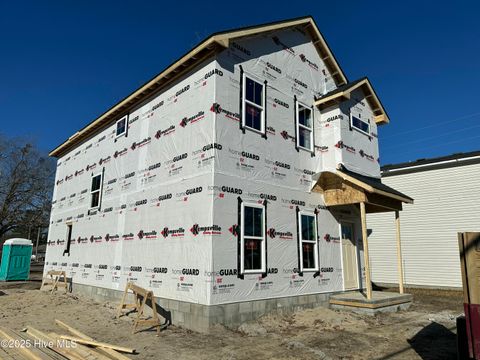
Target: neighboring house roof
(344, 91)
(199, 53)
(372, 185)
(442, 162)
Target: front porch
(380, 301)
(369, 195)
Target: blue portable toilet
(16, 256)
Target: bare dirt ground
(426, 331)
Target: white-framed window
(304, 127)
(253, 252)
(121, 126)
(360, 125)
(253, 109)
(96, 191)
(308, 241)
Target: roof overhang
(187, 62)
(343, 93)
(341, 188)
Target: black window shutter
(313, 132)
(241, 100)
(126, 125)
(264, 275)
(265, 109)
(299, 242)
(370, 130)
(90, 192)
(295, 122)
(317, 273)
(101, 190)
(239, 238)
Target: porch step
(381, 301)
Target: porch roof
(344, 187)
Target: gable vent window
(360, 125)
(304, 127)
(253, 110)
(121, 127)
(96, 191)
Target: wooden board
(98, 344)
(110, 352)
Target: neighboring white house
(447, 201)
(210, 183)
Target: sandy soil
(426, 331)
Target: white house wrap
(177, 191)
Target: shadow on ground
(433, 342)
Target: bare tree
(26, 183)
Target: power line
(431, 137)
(446, 143)
(433, 125)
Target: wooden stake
(366, 256)
(399, 253)
(98, 344)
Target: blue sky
(62, 63)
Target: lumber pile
(33, 344)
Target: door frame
(352, 224)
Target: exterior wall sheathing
(171, 188)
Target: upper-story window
(304, 127)
(360, 125)
(121, 126)
(253, 111)
(96, 191)
(253, 245)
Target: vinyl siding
(447, 201)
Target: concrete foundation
(201, 318)
(381, 302)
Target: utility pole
(36, 246)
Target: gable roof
(372, 185)
(344, 91)
(199, 53)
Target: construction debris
(33, 344)
(107, 351)
(97, 344)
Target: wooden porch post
(399, 253)
(363, 214)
